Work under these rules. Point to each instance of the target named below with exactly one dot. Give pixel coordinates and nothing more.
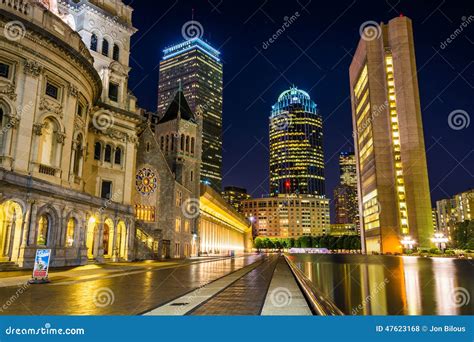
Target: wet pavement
(245, 296)
(127, 289)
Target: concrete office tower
(394, 194)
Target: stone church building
(167, 181)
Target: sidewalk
(63, 275)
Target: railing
(318, 302)
(47, 170)
(19, 5)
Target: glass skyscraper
(296, 146)
(196, 65)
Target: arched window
(1, 116)
(187, 143)
(148, 147)
(162, 143)
(118, 156)
(108, 154)
(116, 53)
(94, 42)
(192, 145)
(105, 47)
(97, 151)
(49, 143)
(172, 142)
(167, 142)
(71, 227)
(43, 230)
(182, 142)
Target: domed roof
(293, 92)
(294, 97)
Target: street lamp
(440, 240)
(407, 242)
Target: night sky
(314, 54)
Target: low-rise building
(452, 211)
(288, 216)
(234, 196)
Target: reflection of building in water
(447, 291)
(412, 286)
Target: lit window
(71, 226)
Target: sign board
(41, 267)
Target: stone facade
(168, 211)
(56, 109)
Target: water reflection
(389, 285)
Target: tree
(347, 242)
(258, 243)
(332, 242)
(305, 241)
(355, 243)
(463, 235)
(324, 241)
(277, 243)
(290, 242)
(315, 241)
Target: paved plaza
(201, 286)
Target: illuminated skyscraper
(296, 145)
(197, 66)
(394, 194)
(345, 194)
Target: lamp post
(407, 242)
(440, 240)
